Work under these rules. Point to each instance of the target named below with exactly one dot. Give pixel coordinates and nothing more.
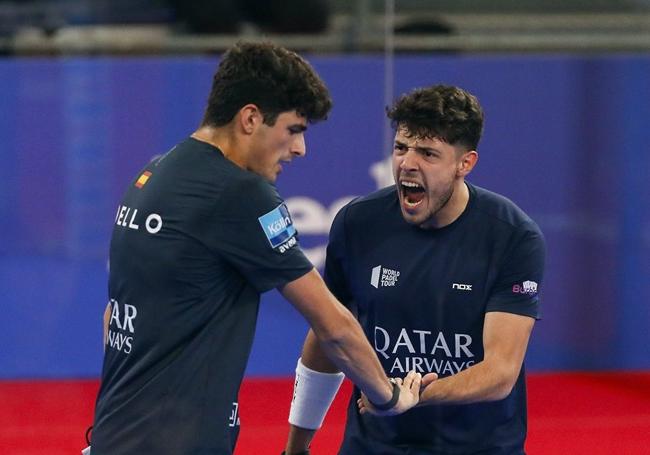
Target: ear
(249, 118)
(466, 163)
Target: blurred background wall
(90, 91)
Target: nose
(408, 161)
(298, 147)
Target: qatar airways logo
(424, 351)
(120, 326)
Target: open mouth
(412, 194)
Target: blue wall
(567, 138)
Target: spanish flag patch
(143, 179)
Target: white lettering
(287, 245)
(460, 346)
(278, 225)
(422, 334)
(122, 211)
(115, 315)
(151, 227)
(128, 342)
(428, 365)
(397, 366)
(126, 215)
(382, 350)
(132, 225)
(120, 341)
(130, 312)
(441, 343)
(416, 364)
(403, 340)
(418, 341)
(433, 366)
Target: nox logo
(382, 276)
(462, 287)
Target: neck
(454, 207)
(225, 140)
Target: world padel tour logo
(383, 276)
(278, 228)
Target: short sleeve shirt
(421, 297)
(196, 240)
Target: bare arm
(505, 339)
(107, 318)
(339, 334)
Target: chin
(409, 218)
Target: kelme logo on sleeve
(278, 227)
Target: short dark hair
(445, 112)
(273, 78)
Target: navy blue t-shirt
(196, 240)
(421, 297)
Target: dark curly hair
(273, 78)
(445, 112)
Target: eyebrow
(418, 148)
(297, 128)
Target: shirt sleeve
(334, 274)
(520, 277)
(254, 232)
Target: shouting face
(429, 174)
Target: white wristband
(313, 393)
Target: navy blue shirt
(421, 297)
(196, 240)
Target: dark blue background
(567, 138)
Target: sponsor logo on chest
(383, 277)
(461, 286)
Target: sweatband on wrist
(313, 393)
(391, 403)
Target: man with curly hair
(200, 233)
(445, 282)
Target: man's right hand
(408, 398)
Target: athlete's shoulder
(373, 209)
(370, 205)
(500, 209)
(370, 202)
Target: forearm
(350, 351)
(505, 338)
(339, 335)
(481, 382)
(299, 439)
